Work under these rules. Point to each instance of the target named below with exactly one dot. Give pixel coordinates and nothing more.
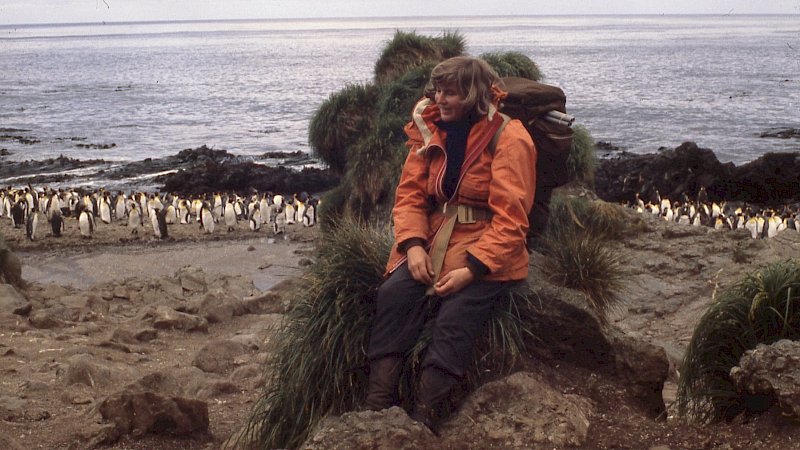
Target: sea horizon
(368, 18)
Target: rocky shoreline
(190, 171)
(771, 180)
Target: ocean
(130, 91)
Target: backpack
(542, 109)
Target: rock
(240, 176)
(643, 368)
(171, 286)
(12, 302)
(15, 409)
(246, 372)
(772, 371)
(570, 331)
(153, 404)
(166, 318)
(250, 341)
(390, 429)
(268, 303)
(192, 279)
(138, 413)
(771, 179)
(77, 394)
(219, 356)
(781, 133)
(53, 291)
(10, 265)
(86, 370)
(519, 412)
(49, 318)
(217, 309)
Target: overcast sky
(61, 11)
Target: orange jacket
(502, 182)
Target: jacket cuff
(478, 269)
(410, 242)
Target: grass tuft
(513, 64)
(762, 308)
(578, 253)
(407, 50)
(338, 122)
(582, 161)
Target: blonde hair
(472, 77)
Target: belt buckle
(465, 215)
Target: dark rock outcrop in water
(781, 133)
(244, 176)
(198, 170)
(769, 180)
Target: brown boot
(384, 378)
(433, 391)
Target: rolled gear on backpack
(542, 109)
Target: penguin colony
(760, 223)
(151, 213)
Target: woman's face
(451, 103)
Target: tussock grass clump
(408, 50)
(578, 253)
(582, 161)
(338, 123)
(762, 308)
(319, 367)
(374, 170)
(513, 64)
(599, 219)
(399, 96)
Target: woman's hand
(453, 281)
(420, 265)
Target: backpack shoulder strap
(493, 143)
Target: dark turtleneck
(455, 146)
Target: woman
(460, 220)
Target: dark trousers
(401, 315)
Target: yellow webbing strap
(439, 247)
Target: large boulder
(155, 403)
(772, 372)
(568, 330)
(519, 412)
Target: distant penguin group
(27, 207)
(760, 223)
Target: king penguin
(183, 211)
(229, 212)
(206, 218)
(86, 222)
(263, 205)
(279, 226)
(255, 217)
(31, 224)
(134, 218)
(104, 206)
(158, 218)
(57, 223)
(18, 211)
